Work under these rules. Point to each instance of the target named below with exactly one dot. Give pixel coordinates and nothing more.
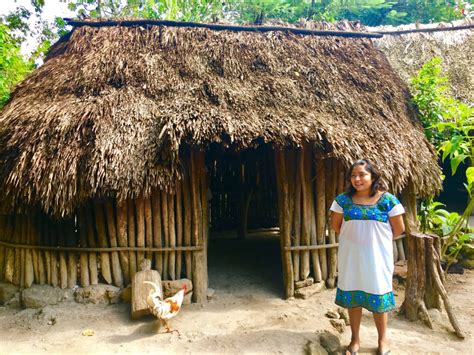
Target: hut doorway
(244, 245)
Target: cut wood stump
(140, 290)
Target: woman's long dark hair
(377, 183)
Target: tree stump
(140, 290)
(425, 285)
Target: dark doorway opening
(244, 249)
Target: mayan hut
(109, 152)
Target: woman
(367, 219)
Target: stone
(98, 294)
(305, 283)
(332, 314)
(14, 302)
(330, 342)
(307, 292)
(210, 293)
(344, 315)
(314, 348)
(468, 264)
(170, 288)
(338, 324)
(7, 292)
(39, 296)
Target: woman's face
(361, 179)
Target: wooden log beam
(122, 239)
(131, 231)
(83, 257)
(157, 226)
(112, 238)
(91, 241)
(105, 268)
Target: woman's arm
(398, 227)
(336, 221)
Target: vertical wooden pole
(140, 209)
(71, 241)
(41, 255)
(102, 236)
(29, 267)
(112, 237)
(10, 256)
(205, 216)
(122, 239)
(62, 237)
(305, 223)
(179, 227)
(24, 232)
(172, 237)
(3, 229)
(45, 240)
(166, 232)
(282, 184)
(91, 241)
(131, 229)
(409, 201)
(294, 201)
(53, 237)
(34, 252)
(187, 205)
(84, 257)
(157, 235)
(148, 228)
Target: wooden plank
(141, 290)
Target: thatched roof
(108, 111)
(407, 53)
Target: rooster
(167, 308)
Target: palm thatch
(407, 53)
(109, 110)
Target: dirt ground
(246, 315)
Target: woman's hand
(398, 227)
(336, 221)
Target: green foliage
(13, 67)
(448, 124)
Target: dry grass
(109, 110)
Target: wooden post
(131, 236)
(10, 255)
(305, 223)
(166, 232)
(297, 216)
(83, 258)
(71, 241)
(172, 237)
(112, 237)
(148, 227)
(3, 228)
(187, 217)
(91, 241)
(29, 266)
(53, 237)
(102, 236)
(282, 184)
(140, 209)
(23, 236)
(179, 227)
(320, 183)
(204, 216)
(33, 240)
(122, 239)
(157, 235)
(62, 237)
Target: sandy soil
(247, 315)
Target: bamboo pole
(122, 240)
(71, 241)
(29, 266)
(91, 241)
(187, 218)
(166, 232)
(105, 268)
(305, 222)
(283, 198)
(148, 227)
(43, 276)
(44, 240)
(157, 234)
(62, 255)
(83, 258)
(172, 237)
(179, 227)
(112, 239)
(334, 180)
(131, 229)
(140, 224)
